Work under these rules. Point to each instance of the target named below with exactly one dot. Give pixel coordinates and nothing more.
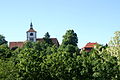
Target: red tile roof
(21, 44)
(16, 44)
(90, 45)
(31, 30)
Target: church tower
(31, 34)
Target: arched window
(31, 34)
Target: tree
(30, 58)
(47, 36)
(115, 42)
(8, 70)
(28, 64)
(114, 45)
(2, 40)
(105, 66)
(69, 42)
(5, 52)
(70, 37)
(41, 61)
(100, 65)
(47, 39)
(29, 44)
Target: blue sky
(92, 20)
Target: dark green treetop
(47, 39)
(70, 37)
(69, 42)
(2, 40)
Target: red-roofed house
(31, 36)
(89, 46)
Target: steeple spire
(31, 34)
(31, 25)
(31, 28)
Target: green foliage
(47, 39)
(43, 61)
(115, 40)
(28, 64)
(114, 45)
(2, 40)
(29, 60)
(5, 52)
(47, 35)
(71, 49)
(105, 66)
(8, 70)
(70, 37)
(69, 42)
(29, 44)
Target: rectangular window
(31, 39)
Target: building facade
(31, 36)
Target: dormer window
(31, 34)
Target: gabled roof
(16, 44)
(90, 45)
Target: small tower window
(31, 39)
(31, 34)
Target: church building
(31, 36)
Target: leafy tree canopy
(114, 45)
(47, 39)
(2, 40)
(69, 42)
(41, 61)
(70, 37)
